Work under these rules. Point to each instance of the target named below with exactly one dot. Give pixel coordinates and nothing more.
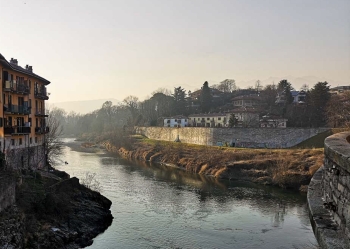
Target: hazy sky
(93, 49)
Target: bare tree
(227, 85)
(305, 87)
(162, 90)
(53, 142)
(338, 110)
(258, 86)
(132, 104)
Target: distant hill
(82, 107)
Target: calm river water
(156, 206)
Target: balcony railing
(41, 93)
(18, 109)
(40, 112)
(16, 87)
(13, 130)
(41, 130)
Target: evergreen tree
(286, 87)
(205, 98)
(318, 99)
(233, 121)
(179, 101)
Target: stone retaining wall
(26, 158)
(242, 137)
(329, 194)
(7, 192)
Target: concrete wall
(242, 137)
(329, 194)
(7, 192)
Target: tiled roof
(176, 117)
(208, 115)
(247, 97)
(20, 69)
(245, 110)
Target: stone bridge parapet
(329, 194)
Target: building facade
(272, 121)
(208, 120)
(22, 116)
(246, 116)
(247, 101)
(176, 121)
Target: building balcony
(17, 130)
(17, 109)
(41, 130)
(16, 87)
(40, 113)
(41, 93)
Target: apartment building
(22, 118)
(208, 120)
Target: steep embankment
(288, 168)
(51, 212)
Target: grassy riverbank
(287, 168)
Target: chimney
(29, 68)
(14, 61)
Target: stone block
(335, 199)
(341, 188)
(336, 218)
(346, 213)
(340, 209)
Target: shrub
(91, 182)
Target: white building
(246, 116)
(299, 97)
(273, 122)
(176, 121)
(208, 120)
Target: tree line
(319, 108)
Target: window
(208, 118)
(30, 140)
(219, 118)
(175, 120)
(36, 140)
(168, 121)
(199, 119)
(1, 124)
(12, 142)
(20, 141)
(185, 120)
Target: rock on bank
(51, 212)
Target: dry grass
(289, 168)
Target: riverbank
(286, 168)
(53, 211)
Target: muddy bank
(287, 168)
(53, 211)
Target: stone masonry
(329, 194)
(336, 179)
(242, 137)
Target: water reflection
(159, 206)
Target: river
(156, 206)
